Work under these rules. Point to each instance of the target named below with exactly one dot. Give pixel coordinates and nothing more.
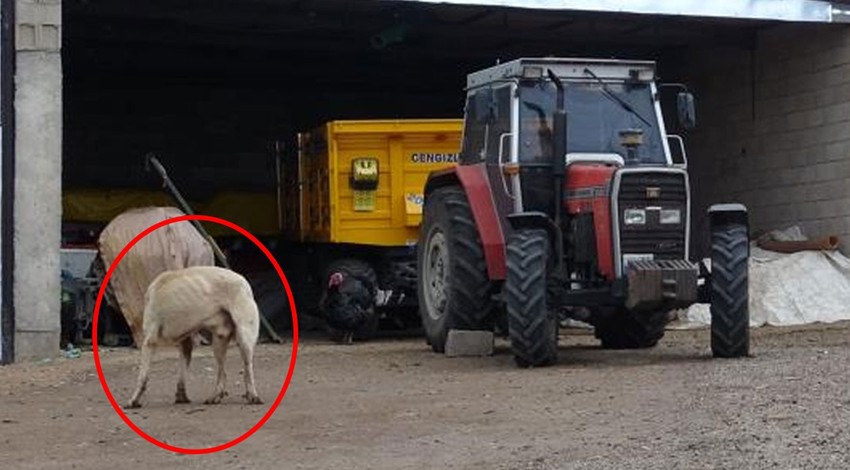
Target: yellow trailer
(361, 181)
(351, 196)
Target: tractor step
(461, 343)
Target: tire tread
(730, 291)
(470, 305)
(532, 327)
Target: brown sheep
(174, 246)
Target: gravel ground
(392, 404)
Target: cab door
(501, 152)
(489, 140)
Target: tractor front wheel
(453, 287)
(532, 323)
(730, 318)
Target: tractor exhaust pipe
(559, 145)
(559, 152)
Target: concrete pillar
(38, 178)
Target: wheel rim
(436, 272)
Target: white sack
(789, 289)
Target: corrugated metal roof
(772, 10)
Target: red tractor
(567, 203)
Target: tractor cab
(613, 116)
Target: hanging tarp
(103, 205)
(256, 212)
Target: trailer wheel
(453, 288)
(532, 324)
(623, 329)
(730, 317)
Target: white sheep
(182, 302)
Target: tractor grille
(664, 241)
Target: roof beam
(816, 11)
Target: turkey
(348, 301)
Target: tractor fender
(728, 213)
(473, 180)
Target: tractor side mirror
(686, 110)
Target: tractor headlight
(635, 217)
(671, 216)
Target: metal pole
(151, 160)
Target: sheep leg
(144, 367)
(219, 344)
(247, 350)
(185, 348)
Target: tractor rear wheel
(623, 329)
(532, 323)
(730, 318)
(453, 287)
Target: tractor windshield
(595, 116)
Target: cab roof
(565, 68)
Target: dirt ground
(392, 404)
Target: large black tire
(532, 323)
(453, 288)
(623, 329)
(730, 316)
(364, 271)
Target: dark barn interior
(209, 86)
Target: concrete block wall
(38, 178)
(774, 130)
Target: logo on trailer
(416, 199)
(413, 203)
(425, 157)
